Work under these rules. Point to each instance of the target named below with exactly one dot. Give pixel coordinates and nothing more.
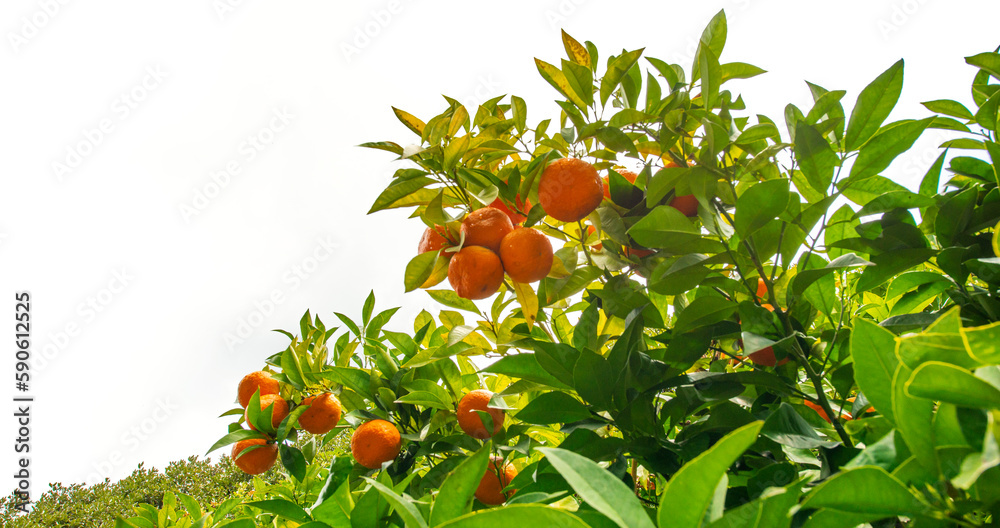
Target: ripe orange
(375, 442)
(257, 461)
(765, 357)
(470, 421)
(590, 231)
(526, 255)
(515, 217)
(761, 289)
(490, 489)
(253, 381)
(475, 272)
(486, 227)
(637, 252)
(277, 415)
(322, 415)
(687, 204)
(606, 181)
(433, 240)
(570, 189)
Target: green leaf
(949, 107)
(931, 181)
(294, 461)
(758, 132)
(874, 104)
(770, 510)
(935, 380)
(451, 299)
(667, 228)
(704, 311)
(879, 153)
(553, 407)
(525, 366)
(786, 427)
(233, 437)
(616, 140)
(616, 71)
(758, 205)
(414, 124)
(802, 281)
(690, 491)
(983, 343)
(713, 37)
(739, 70)
(711, 75)
(894, 200)
(599, 488)
(410, 514)
(986, 61)
(455, 496)
(874, 351)
(282, 507)
(863, 191)
(190, 504)
(866, 489)
(419, 269)
(558, 80)
(888, 265)
(815, 156)
(397, 191)
(523, 515)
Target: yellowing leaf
(528, 300)
(577, 52)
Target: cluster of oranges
(322, 413)
(374, 442)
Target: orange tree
(754, 328)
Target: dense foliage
(815, 345)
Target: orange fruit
(687, 204)
(254, 381)
(322, 415)
(433, 240)
(570, 189)
(470, 421)
(606, 181)
(761, 289)
(486, 227)
(277, 415)
(257, 461)
(475, 272)
(515, 217)
(496, 478)
(637, 252)
(375, 442)
(765, 357)
(526, 255)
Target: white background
(145, 378)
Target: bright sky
(212, 180)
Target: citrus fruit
(257, 461)
(765, 357)
(486, 227)
(496, 478)
(686, 204)
(590, 231)
(470, 421)
(606, 181)
(637, 252)
(277, 415)
(570, 189)
(512, 213)
(254, 381)
(475, 272)
(761, 289)
(374, 443)
(526, 255)
(433, 240)
(322, 415)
